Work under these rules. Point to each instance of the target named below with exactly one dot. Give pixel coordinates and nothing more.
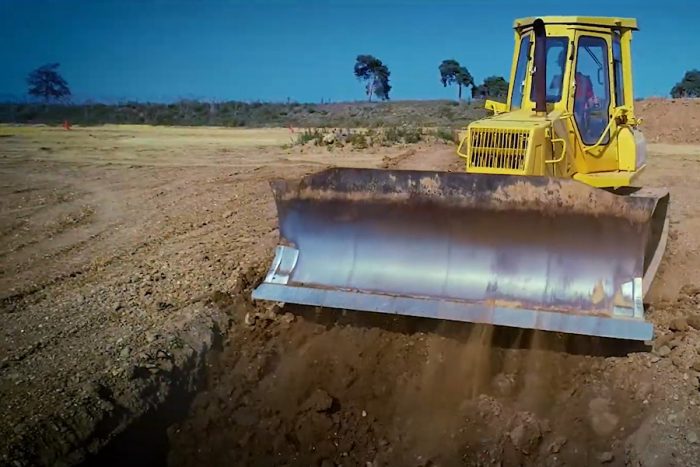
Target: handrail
(459, 148)
(619, 111)
(564, 148)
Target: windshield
(556, 62)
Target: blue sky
(303, 50)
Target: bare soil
(670, 120)
(128, 253)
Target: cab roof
(598, 21)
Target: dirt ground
(670, 121)
(128, 253)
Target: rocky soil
(315, 387)
(128, 254)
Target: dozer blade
(527, 252)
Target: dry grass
(142, 144)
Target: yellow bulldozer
(544, 230)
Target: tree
(689, 85)
(494, 86)
(375, 74)
(45, 82)
(451, 72)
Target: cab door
(591, 102)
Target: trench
(290, 386)
(241, 434)
(144, 441)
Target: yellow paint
(595, 21)
(626, 149)
(615, 178)
(554, 144)
(495, 107)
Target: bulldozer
(545, 228)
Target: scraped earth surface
(127, 254)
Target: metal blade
(529, 252)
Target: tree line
(689, 86)
(47, 84)
(375, 75)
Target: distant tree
(382, 88)
(451, 72)
(375, 74)
(46, 83)
(689, 86)
(494, 86)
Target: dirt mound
(670, 120)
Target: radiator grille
(501, 148)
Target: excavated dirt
(670, 120)
(311, 387)
(127, 254)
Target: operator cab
(570, 106)
(584, 69)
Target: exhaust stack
(540, 74)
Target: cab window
(556, 64)
(592, 95)
(520, 73)
(617, 70)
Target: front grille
(502, 148)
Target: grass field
(142, 144)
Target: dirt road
(126, 253)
